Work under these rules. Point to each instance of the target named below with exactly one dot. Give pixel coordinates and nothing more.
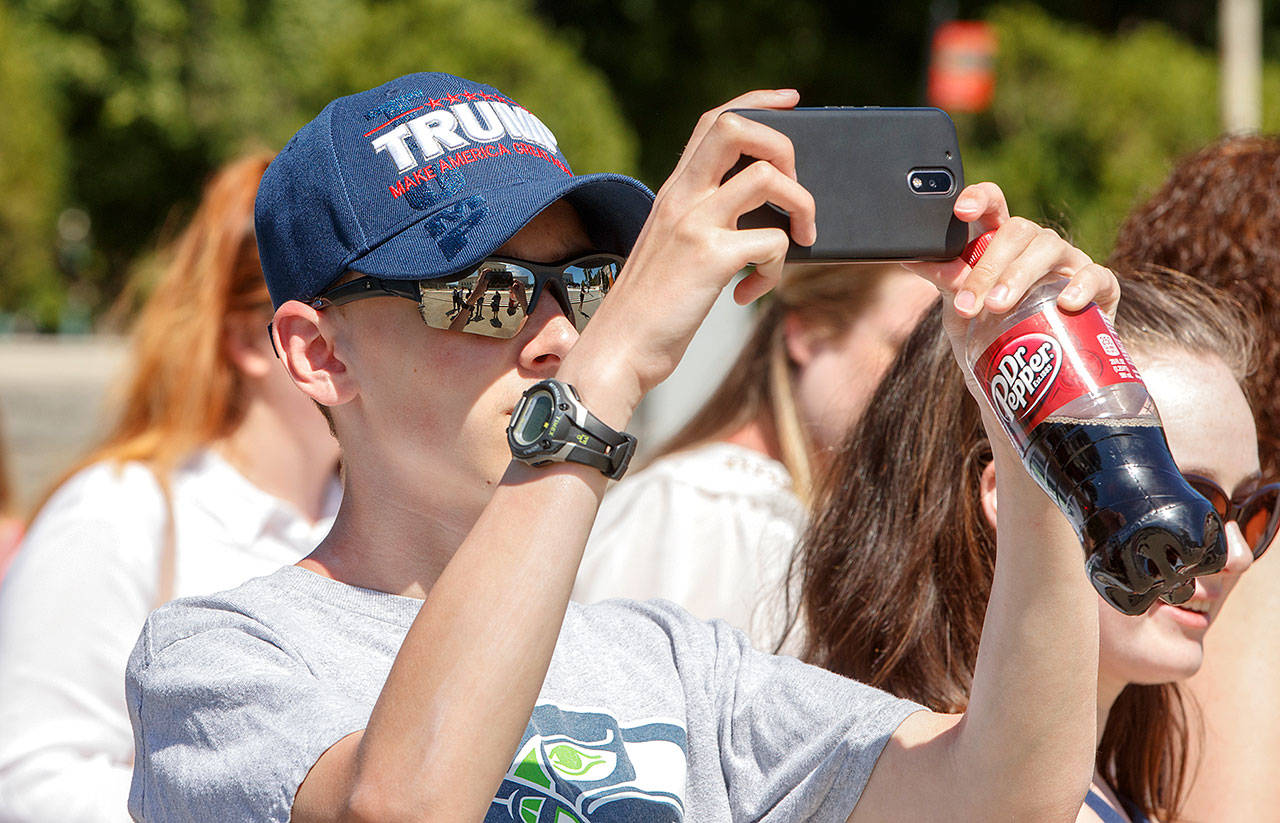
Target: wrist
(604, 388)
(1013, 481)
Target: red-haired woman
(897, 568)
(217, 470)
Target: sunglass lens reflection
(493, 302)
(586, 285)
(495, 299)
(1258, 520)
(1216, 497)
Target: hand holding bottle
(1072, 402)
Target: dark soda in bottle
(1071, 400)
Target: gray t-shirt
(646, 714)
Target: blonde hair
(760, 384)
(183, 391)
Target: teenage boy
(424, 662)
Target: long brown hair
(895, 569)
(760, 385)
(1217, 218)
(183, 391)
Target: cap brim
(461, 233)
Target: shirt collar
(247, 513)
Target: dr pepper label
(1049, 359)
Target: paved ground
(53, 393)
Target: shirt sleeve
(226, 721)
(796, 742)
(70, 610)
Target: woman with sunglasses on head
(216, 470)
(896, 569)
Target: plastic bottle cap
(976, 247)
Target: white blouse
(72, 604)
(711, 528)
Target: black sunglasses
(495, 297)
(1257, 512)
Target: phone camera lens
(931, 181)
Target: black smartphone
(885, 182)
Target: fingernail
(787, 91)
(998, 294)
(1073, 294)
(966, 202)
(965, 301)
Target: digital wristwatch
(550, 425)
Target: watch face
(535, 416)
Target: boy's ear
(987, 492)
(306, 344)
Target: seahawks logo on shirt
(584, 767)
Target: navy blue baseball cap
(422, 177)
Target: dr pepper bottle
(1069, 397)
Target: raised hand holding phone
(692, 246)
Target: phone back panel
(856, 162)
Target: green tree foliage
(32, 161)
(1085, 125)
(158, 92)
(671, 60)
(153, 94)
